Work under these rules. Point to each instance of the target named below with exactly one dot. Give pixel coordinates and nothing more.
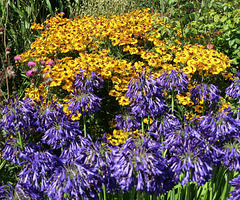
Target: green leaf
(49, 6)
(237, 41)
(231, 42)
(216, 18)
(224, 18)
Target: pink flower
(51, 62)
(30, 73)
(17, 58)
(42, 62)
(31, 63)
(62, 13)
(210, 46)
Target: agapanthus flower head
(231, 158)
(169, 124)
(190, 158)
(208, 92)
(84, 102)
(234, 89)
(79, 174)
(236, 192)
(174, 81)
(140, 165)
(146, 96)
(127, 122)
(31, 63)
(57, 127)
(38, 167)
(88, 81)
(218, 128)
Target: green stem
(84, 126)
(172, 101)
(20, 140)
(104, 192)
(142, 126)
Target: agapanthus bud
(7, 50)
(1, 73)
(31, 63)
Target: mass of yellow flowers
(117, 48)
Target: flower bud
(1, 31)
(1, 73)
(7, 50)
(47, 26)
(5, 62)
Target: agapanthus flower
(231, 158)
(127, 122)
(59, 129)
(38, 167)
(146, 97)
(234, 89)
(190, 158)
(174, 81)
(20, 191)
(84, 102)
(236, 192)
(79, 174)
(88, 82)
(170, 123)
(219, 127)
(140, 165)
(19, 117)
(208, 92)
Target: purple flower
(62, 13)
(208, 92)
(236, 192)
(17, 58)
(31, 63)
(234, 89)
(174, 81)
(127, 122)
(190, 157)
(30, 73)
(58, 128)
(146, 96)
(231, 159)
(140, 165)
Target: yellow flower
(124, 101)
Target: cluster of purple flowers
(57, 162)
